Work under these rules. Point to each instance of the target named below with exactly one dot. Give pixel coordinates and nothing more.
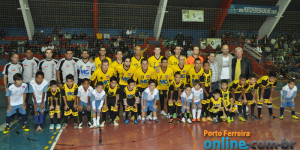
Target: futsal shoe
(126, 121)
(58, 126)
(189, 121)
(6, 130)
(242, 119)
(183, 120)
(89, 124)
(115, 123)
(163, 113)
(156, 121)
(295, 117)
(272, 116)
(36, 128)
(260, 116)
(253, 117)
(281, 117)
(25, 128)
(232, 119)
(171, 121)
(136, 122)
(143, 121)
(215, 120)
(209, 119)
(80, 125)
(194, 120)
(51, 126)
(102, 124)
(198, 120)
(228, 120)
(203, 119)
(75, 126)
(41, 128)
(139, 117)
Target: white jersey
(16, 94)
(288, 93)
(184, 97)
(38, 90)
(83, 95)
(66, 67)
(30, 68)
(198, 95)
(95, 96)
(11, 69)
(148, 96)
(48, 67)
(85, 69)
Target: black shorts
(237, 96)
(249, 96)
(111, 101)
(131, 102)
(267, 93)
(175, 95)
(206, 99)
(71, 110)
(54, 101)
(141, 90)
(122, 87)
(163, 93)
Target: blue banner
(253, 10)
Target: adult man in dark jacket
(240, 65)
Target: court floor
(150, 135)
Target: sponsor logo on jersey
(129, 74)
(67, 65)
(107, 77)
(148, 76)
(13, 69)
(167, 76)
(23, 87)
(184, 71)
(88, 67)
(25, 64)
(46, 65)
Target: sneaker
(209, 119)
(64, 125)
(102, 124)
(58, 126)
(198, 120)
(223, 118)
(189, 121)
(6, 130)
(115, 123)
(174, 115)
(231, 119)
(272, 116)
(139, 117)
(155, 121)
(41, 128)
(148, 117)
(215, 120)
(193, 120)
(51, 126)
(25, 128)
(136, 122)
(171, 121)
(80, 125)
(36, 128)
(253, 117)
(295, 117)
(117, 119)
(228, 120)
(260, 116)
(183, 120)
(89, 124)
(163, 113)
(281, 117)
(143, 121)
(132, 118)
(203, 119)
(126, 121)
(168, 116)
(94, 125)
(75, 126)
(242, 119)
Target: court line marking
(193, 136)
(56, 139)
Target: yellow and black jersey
(183, 71)
(142, 78)
(136, 62)
(226, 97)
(124, 74)
(176, 86)
(173, 60)
(205, 78)
(54, 95)
(98, 62)
(114, 64)
(112, 92)
(154, 62)
(264, 82)
(130, 94)
(235, 85)
(100, 76)
(251, 88)
(194, 75)
(164, 79)
(70, 93)
(216, 103)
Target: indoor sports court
(70, 44)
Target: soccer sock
(154, 118)
(178, 110)
(95, 120)
(80, 116)
(51, 121)
(259, 107)
(170, 111)
(98, 119)
(139, 109)
(24, 119)
(75, 119)
(281, 111)
(36, 119)
(187, 115)
(240, 109)
(199, 113)
(194, 113)
(113, 115)
(203, 107)
(66, 119)
(135, 115)
(8, 121)
(244, 110)
(41, 118)
(252, 109)
(126, 114)
(89, 115)
(161, 103)
(293, 112)
(270, 107)
(58, 120)
(104, 116)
